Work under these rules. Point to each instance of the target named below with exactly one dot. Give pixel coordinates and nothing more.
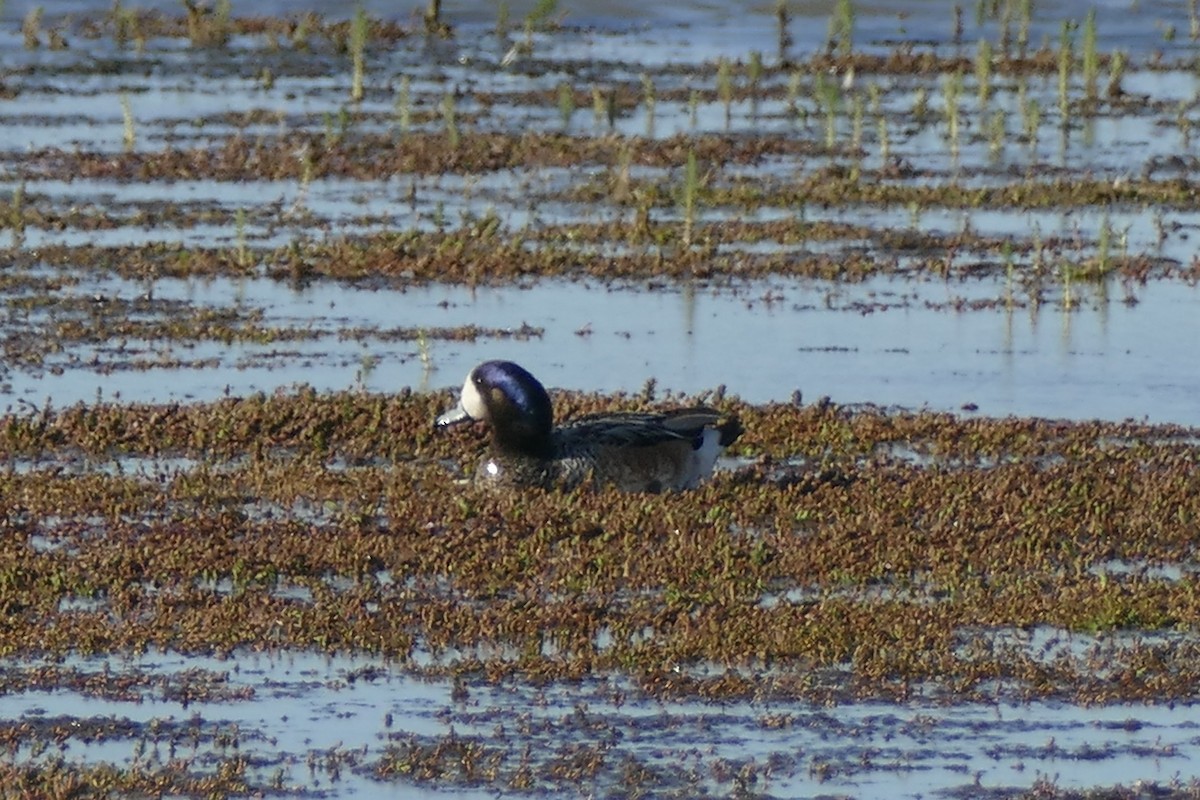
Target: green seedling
(841, 28)
(1091, 59)
(404, 105)
(725, 87)
(128, 136)
(566, 103)
(31, 27)
(691, 191)
(650, 100)
(1116, 74)
(359, 31)
(754, 71)
(449, 118)
(983, 71)
(952, 91)
(785, 36)
(1066, 58)
(829, 96)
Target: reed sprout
(306, 177)
(434, 25)
(983, 71)
(31, 26)
(125, 24)
(1116, 74)
(841, 28)
(599, 107)
(858, 108)
(566, 103)
(691, 190)
(129, 136)
(239, 226)
(1091, 59)
(725, 88)
(1066, 59)
(604, 106)
(1068, 296)
(1104, 246)
(1006, 254)
(829, 96)
(209, 27)
(996, 134)
(1184, 122)
(874, 99)
(541, 14)
(622, 179)
(952, 91)
(302, 30)
(16, 218)
(450, 119)
(1024, 23)
(754, 71)
(921, 105)
(359, 31)
(1031, 112)
(793, 91)
(785, 36)
(404, 105)
(425, 351)
(1005, 40)
(650, 99)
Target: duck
(672, 450)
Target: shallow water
(887, 341)
(298, 709)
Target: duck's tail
(730, 428)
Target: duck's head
(510, 400)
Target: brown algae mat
(894, 547)
(840, 555)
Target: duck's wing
(693, 422)
(648, 429)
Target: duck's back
(642, 452)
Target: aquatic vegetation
(359, 32)
(915, 575)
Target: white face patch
(472, 401)
(491, 469)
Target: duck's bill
(452, 417)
